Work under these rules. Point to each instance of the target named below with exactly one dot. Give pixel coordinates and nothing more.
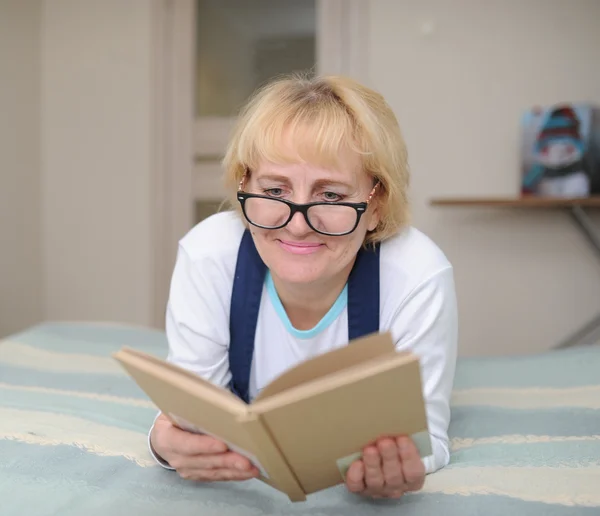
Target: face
(297, 254)
(559, 153)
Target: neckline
(332, 314)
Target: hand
(198, 457)
(388, 469)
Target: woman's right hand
(198, 457)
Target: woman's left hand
(388, 469)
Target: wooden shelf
(518, 202)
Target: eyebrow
(272, 177)
(319, 183)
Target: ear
(373, 213)
(374, 209)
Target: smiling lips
(300, 247)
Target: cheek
(259, 233)
(345, 248)
(264, 243)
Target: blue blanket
(525, 438)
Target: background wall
(76, 205)
(96, 159)
(458, 75)
(20, 209)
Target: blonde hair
(322, 115)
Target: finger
(355, 477)
(395, 494)
(217, 475)
(373, 473)
(227, 460)
(412, 465)
(391, 464)
(187, 443)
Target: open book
(307, 426)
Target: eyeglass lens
(327, 218)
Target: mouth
(300, 247)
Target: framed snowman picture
(560, 154)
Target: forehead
(348, 172)
(303, 152)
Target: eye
(332, 196)
(273, 192)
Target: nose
(298, 225)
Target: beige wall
(525, 279)
(96, 159)
(20, 260)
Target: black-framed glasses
(326, 218)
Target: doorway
(210, 56)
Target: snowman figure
(558, 166)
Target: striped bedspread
(525, 438)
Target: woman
(319, 170)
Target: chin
(293, 271)
(295, 268)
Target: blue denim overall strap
(250, 271)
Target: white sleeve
(426, 323)
(155, 455)
(197, 321)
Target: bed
(525, 438)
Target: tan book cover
(306, 426)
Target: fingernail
(240, 465)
